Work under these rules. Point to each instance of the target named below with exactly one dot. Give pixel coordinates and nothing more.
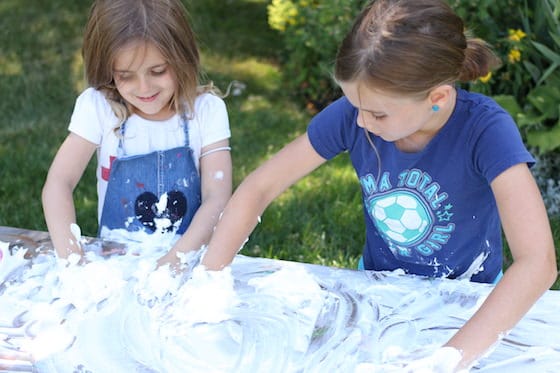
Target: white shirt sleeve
(211, 120)
(92, 117)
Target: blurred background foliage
(525, 34)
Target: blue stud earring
(435, 107)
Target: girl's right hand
(172, 260)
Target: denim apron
(154, 192)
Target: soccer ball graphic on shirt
(401, 216)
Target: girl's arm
(533, 271)
(64, 174)
(216, 181)
(255, 193)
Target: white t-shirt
(94, 120)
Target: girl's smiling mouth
(148, 99)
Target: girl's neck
(163, 115)
(420, 139)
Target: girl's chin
(162, 114)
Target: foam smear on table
(122, 314)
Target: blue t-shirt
(433, 212)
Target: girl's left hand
(443, 360)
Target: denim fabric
(155, 192)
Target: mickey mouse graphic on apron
(154, 192)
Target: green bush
(528, 83)
(311, 32)
(526, 35)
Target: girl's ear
(441, 96)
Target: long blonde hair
(114, 23)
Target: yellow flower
(282, 13)
(516, 35)
(514, 55)
(486, 78)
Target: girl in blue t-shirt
(441, 170)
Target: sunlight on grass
(77, 71)
(262, 122)
(10, 65)
(254, 103)
(329, 181)
(267, 75)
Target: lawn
(319, 220)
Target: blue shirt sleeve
(332, 130)
(498, 143)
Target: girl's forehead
(137, 54)
(367, 98)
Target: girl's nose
(143, 84)
(360, 119)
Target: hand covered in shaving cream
(443, 360)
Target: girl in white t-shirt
(161, 139)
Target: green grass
(319, 220)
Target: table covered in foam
(116, 313)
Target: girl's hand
(443, 360)
(157, 285)
(171, 259)
(180, 262)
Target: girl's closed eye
(121, 76)
(378, 116)
(159, 70)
